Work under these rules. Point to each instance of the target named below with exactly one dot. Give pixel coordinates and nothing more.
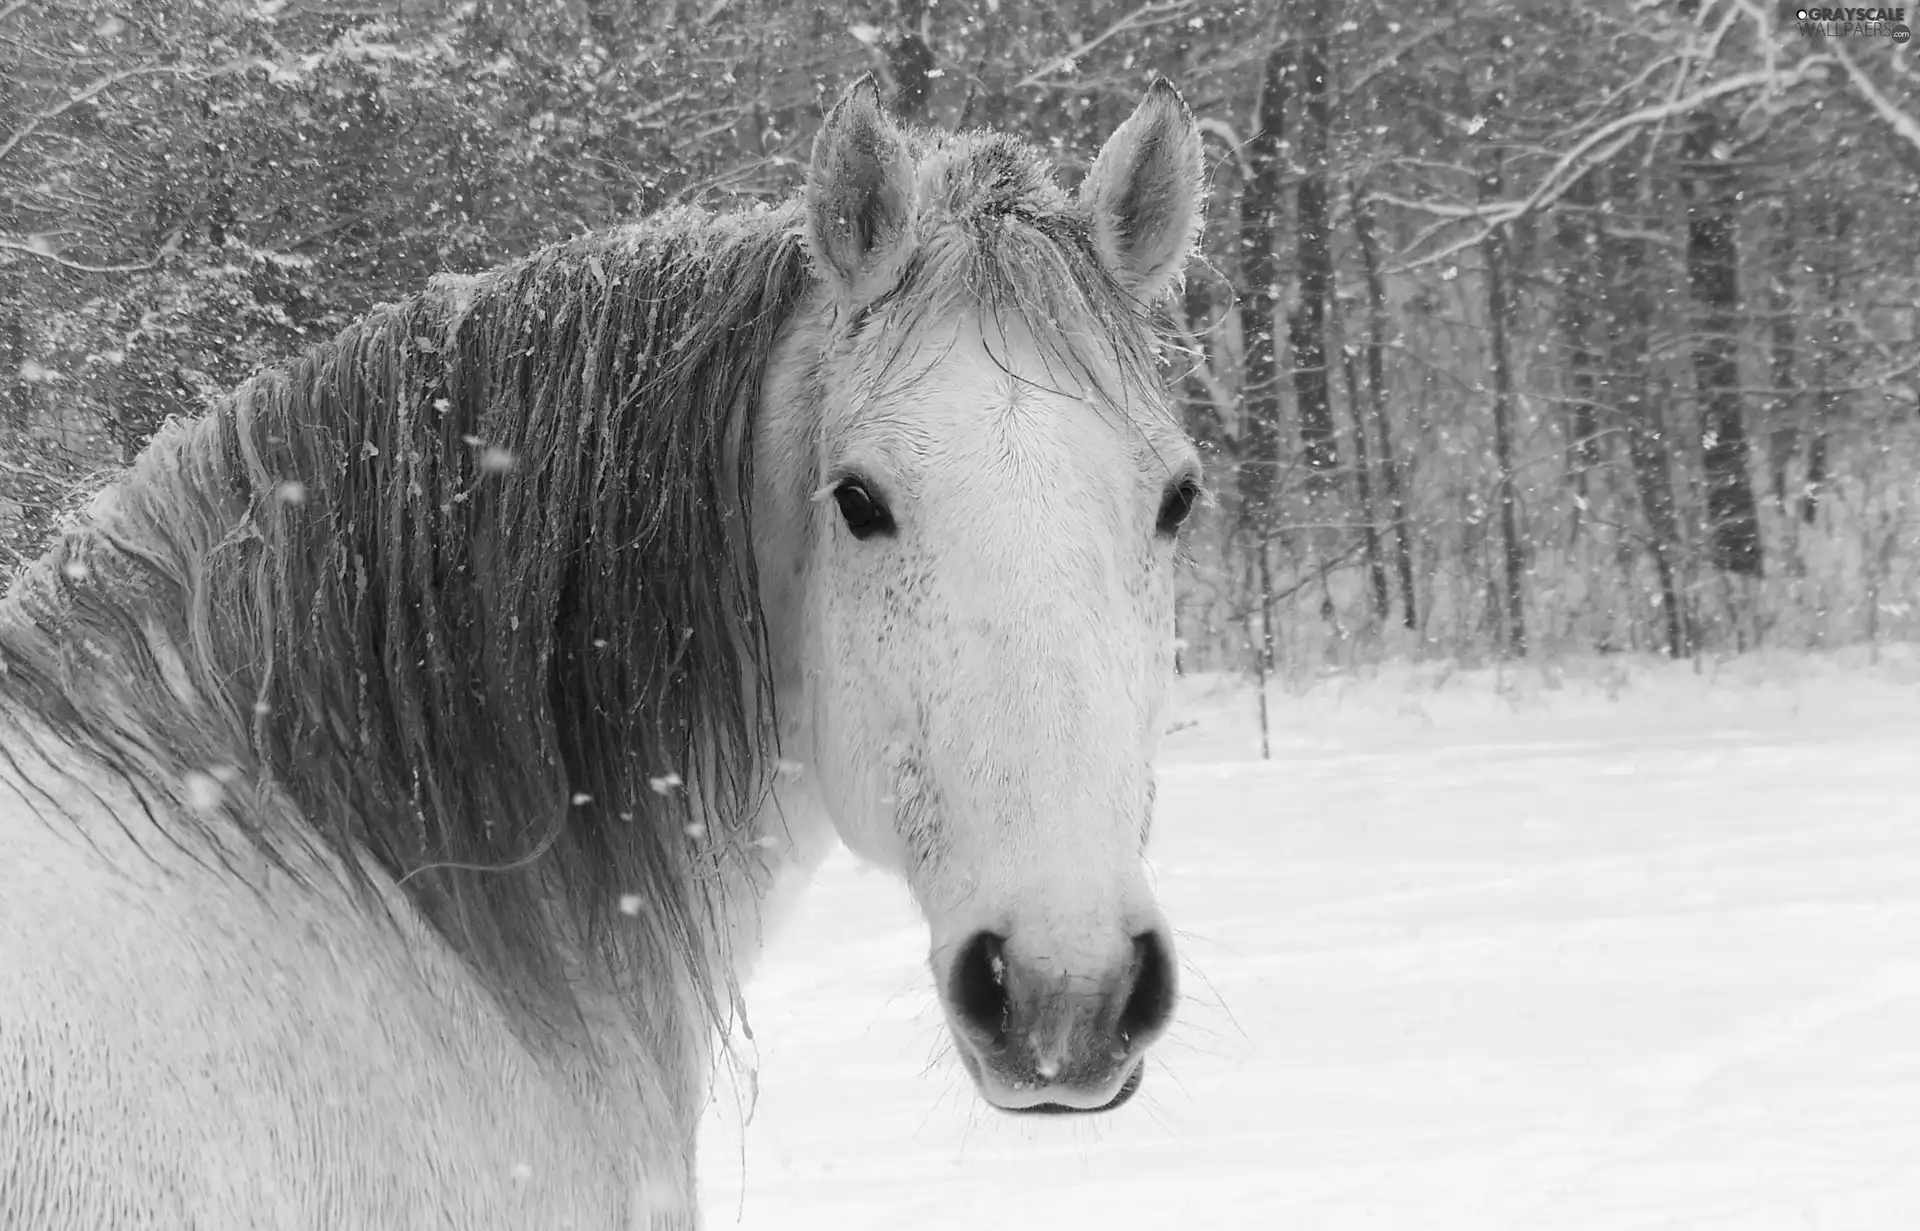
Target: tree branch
(1614, 136)
(1153, 13)
(47, 254)
(1231, 139)
(87, 95)
(1903, 125)
(1441, 209)
(1393, 55)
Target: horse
(403, 762)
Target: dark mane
(467, 584)
(463, 581)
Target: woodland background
(1525, 328)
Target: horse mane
(468, 582)
(469, 587)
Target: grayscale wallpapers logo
(1855, 23)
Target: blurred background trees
(1524, 327)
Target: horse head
(970, 544)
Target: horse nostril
(1150, 1001)
(979, 987)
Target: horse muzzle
(1037, 1038)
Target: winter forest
(1523, 327)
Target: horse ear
(860, 196)
(1143, 194)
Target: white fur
(1011, 644)
(358, 1076)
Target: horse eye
(1175, 505)
(865, 516)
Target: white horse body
(221, 1051)
(195, 1035)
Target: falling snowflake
(696, 830)
(291, 491)
(629, 903)
(496, 460)
(664, 784)
(204, 792)
(77, 570)
(521, 1172)
(788, 769)
(581, 799)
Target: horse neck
(148, 639)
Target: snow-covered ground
(1612, 947)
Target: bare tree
(1733, 526)
(1307, 325)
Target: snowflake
(204, 792)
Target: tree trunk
(17, 406)
(1832, 363)
(1259, 297)
(1625, 387)
(1362, 474)
(1263, 657)
(1575, 235)
(1499, 326)
(1260, 372)
(1363, 232)
(1307, 328)
(1783, 403)
(1733, 524)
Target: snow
(1617, 945)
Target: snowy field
(1622, 946)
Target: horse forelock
(996, 235)
(468, 585)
